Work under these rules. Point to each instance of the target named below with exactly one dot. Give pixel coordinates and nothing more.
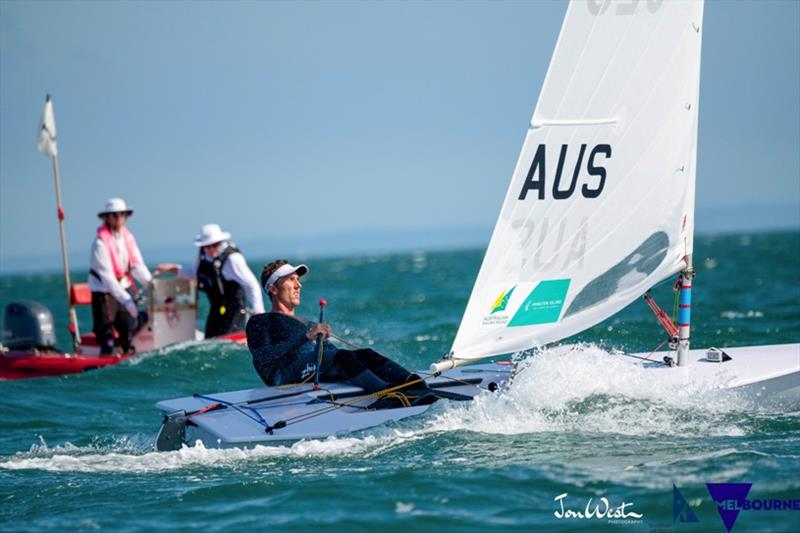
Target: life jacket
(105, 235)
(227, 297)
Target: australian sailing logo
(502, 301)
(496, 317)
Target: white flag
(47, 130)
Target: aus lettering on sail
(557, 239)
(563, 189)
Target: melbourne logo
(502, 301)
(730, 499)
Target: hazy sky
(311, 118)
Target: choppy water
(76, 451)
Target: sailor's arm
(236, 269)
(140, 272)
(183, 273)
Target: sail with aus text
(601, 203)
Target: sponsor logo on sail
(543, 305)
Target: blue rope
(259, 419)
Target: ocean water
(76, 451)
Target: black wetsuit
(228, 312)
(282, 354)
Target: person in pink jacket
(115, 262)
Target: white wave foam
(732, 315)
(586, 389)
(121, 458)
(218, 348)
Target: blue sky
(337, 124)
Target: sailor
(115, 262)
(284, 350)
(222, 273)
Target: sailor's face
(288, 290)
(115, 221)
(212, 251)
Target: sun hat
(285, 270)
(211, 234)
(115, 205)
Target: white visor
(285, 270)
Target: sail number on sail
(563, 188)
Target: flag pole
(73, 318)
(47, 145)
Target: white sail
(601, 202)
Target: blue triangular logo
(729, 499)
(680, 507)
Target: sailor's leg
(231, 321)
(214, 323)
(103, 313)
(125, 325)
(368, 381)
(388, 370)
(238, 321)
(371, 371)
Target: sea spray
(587, 389)
(125, 459)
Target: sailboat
(600, 207)
(599, 210)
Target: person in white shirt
(115, 262)
(222, 273)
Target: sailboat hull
(762, 376)
(253, 417)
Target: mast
(685, 313)
(47, 145)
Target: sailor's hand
(131, 308)
(166, 267)
(319, 329)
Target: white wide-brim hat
(211, 234)
(115, 205)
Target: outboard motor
(28, 325)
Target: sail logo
(501, 302)
(563, 186)
(543, 305)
